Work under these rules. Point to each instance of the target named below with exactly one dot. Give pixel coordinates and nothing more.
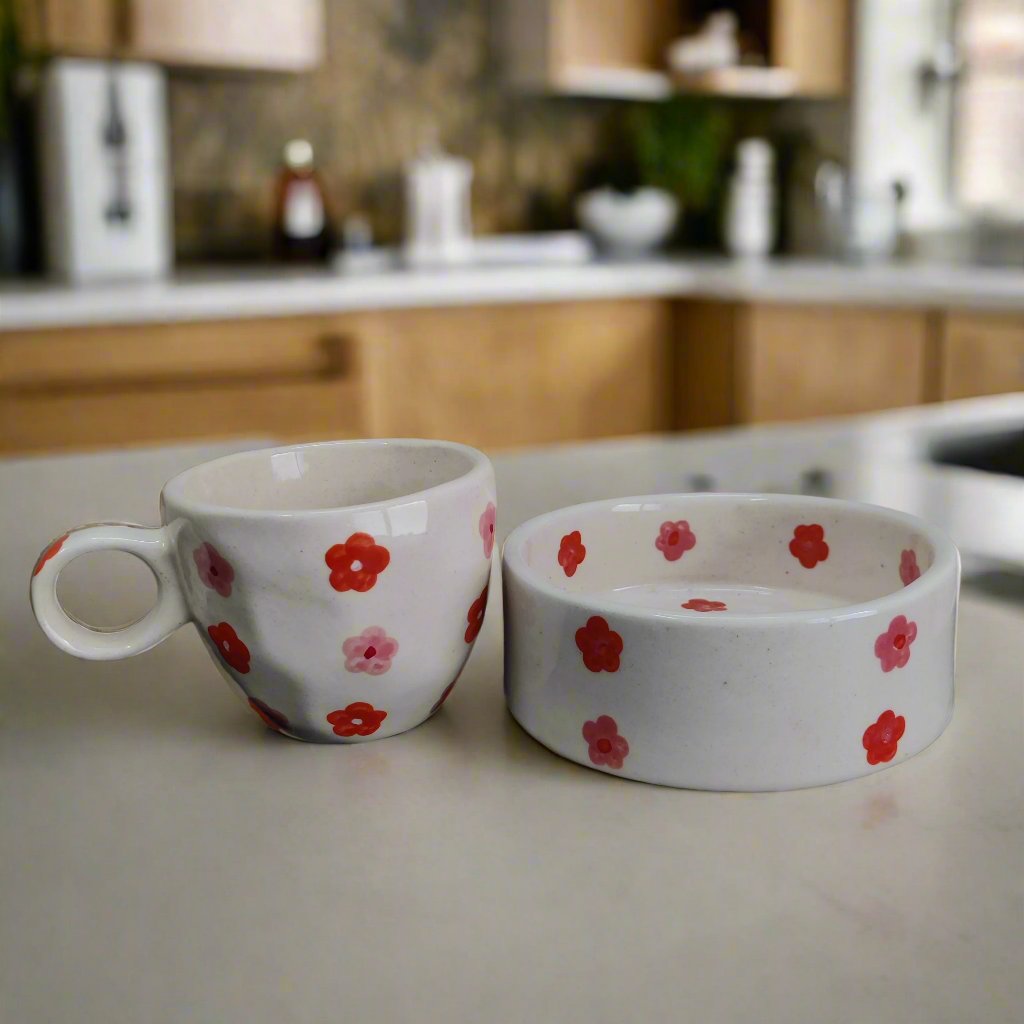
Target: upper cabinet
(270, 35)
(618, 47)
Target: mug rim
(173, 490)
(946, 561)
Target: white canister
(750, 221)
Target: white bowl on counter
(731, 642)
(628, 224)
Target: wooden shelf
(615, 83)
(645, 84)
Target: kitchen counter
(232, 294)
(165, 858)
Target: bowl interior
(333, 474)
(741, 554)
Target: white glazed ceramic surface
(340, 586)
(628, 223)
(730, 642)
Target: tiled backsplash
(397, 73)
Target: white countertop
(223, 294)
(164, 858)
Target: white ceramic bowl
(628, 223)
(730, 642)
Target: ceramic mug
(340, 585)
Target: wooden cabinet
(509, 375)
(269, 35)
(102, 386)
(489, 376)
(982, 354)
(767, 363)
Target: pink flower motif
(702, 604)
(808, 545)
(892, 648)
(606, 746)
(487, 528)
(675, 539)
(214, 569)
(371, 652)
(571, 552)
(882, 738)
(909, 569)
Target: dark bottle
(302, 230)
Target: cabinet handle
(337, 350)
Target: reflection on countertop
(235, 292)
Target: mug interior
(746, 554)
(327, 475)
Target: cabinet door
(93, 387)
(511, 375)
(261, 34)
(798, 362)
(981, 355)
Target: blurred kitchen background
(506, 222)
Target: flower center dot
(370, 652)
(673, 537)
(357, 721)
(357, 566)
(604, 745)
(900, 642)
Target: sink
(1001, 452)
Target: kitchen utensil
(857, 220)
(729, 641)
(340, 586)
(106, 202)
(750, 206)
(438, 223)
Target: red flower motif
(571, 552)
(231, 649)
(606, 746)
(675, 539)
(356, 564)
(702, 604)
(49, 553)
(358, 719)
(892, 648)
(271, 718)
(909, 569)
(214, 570)
(599, 644)
(444, 696)
(487, 528)
(808, 545)
(882, 738)
(475, 616)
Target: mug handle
(155, 547)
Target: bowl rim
(946, 561)
(478, 470)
